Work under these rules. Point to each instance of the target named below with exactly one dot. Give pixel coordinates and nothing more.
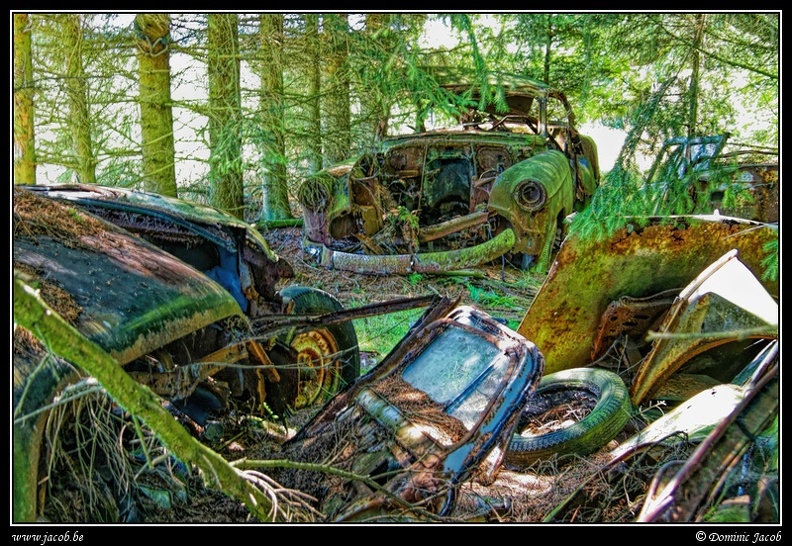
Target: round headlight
(530, 195)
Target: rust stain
(587, 276)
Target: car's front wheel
(327, 358)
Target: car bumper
(423, 262)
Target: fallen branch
(32, 313)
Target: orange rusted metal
(588, 275)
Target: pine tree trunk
(337, 133)
(276, 192)
(76, 90)
(225, 115)
(693, 90)
(315, 87)
(24, 134)
(156, 115)
(375, 108)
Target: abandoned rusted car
(236, 256)
(438, 411)
(733, 178)
(586, 313)
(193, 316)
(499, 184)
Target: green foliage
(377, 335)
(617, 198)
(405, 216)
(122, 172)
(771, 262)
(415, 279)
(489, 298)
(629, 71)
(76, 216)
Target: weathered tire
(34, 389)
(610, 414)
(330, 355)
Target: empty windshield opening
(457, 370)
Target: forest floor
(500, 289)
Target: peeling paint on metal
(588, 275)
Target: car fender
(533, 216)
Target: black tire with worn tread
(610, 414)
(309, 300)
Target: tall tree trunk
(337, 133)
(156, 115)
(375, 107)
(24, 135)
(550, 33)
(76, 90)
(225, 115)
(276, 192)
(314, 90)
(695, 61)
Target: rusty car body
(645, 265)
(736, 179)
(438, 411)
(499, 184)
(193, 314)
(686, 311)
(236, 256)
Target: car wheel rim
(317, 370)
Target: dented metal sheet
(133, 297)
(220, 245)
(725, 302)
(587, 276)
(680, 493)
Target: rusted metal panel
(132, 296)
(725, 302)
(587, 276)
(682, 497)
(629, 318)
(531, 196)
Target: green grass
(504, 300)
(488, 298)
(379, 334)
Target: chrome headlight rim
(530, 195)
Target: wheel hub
(317, 367)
